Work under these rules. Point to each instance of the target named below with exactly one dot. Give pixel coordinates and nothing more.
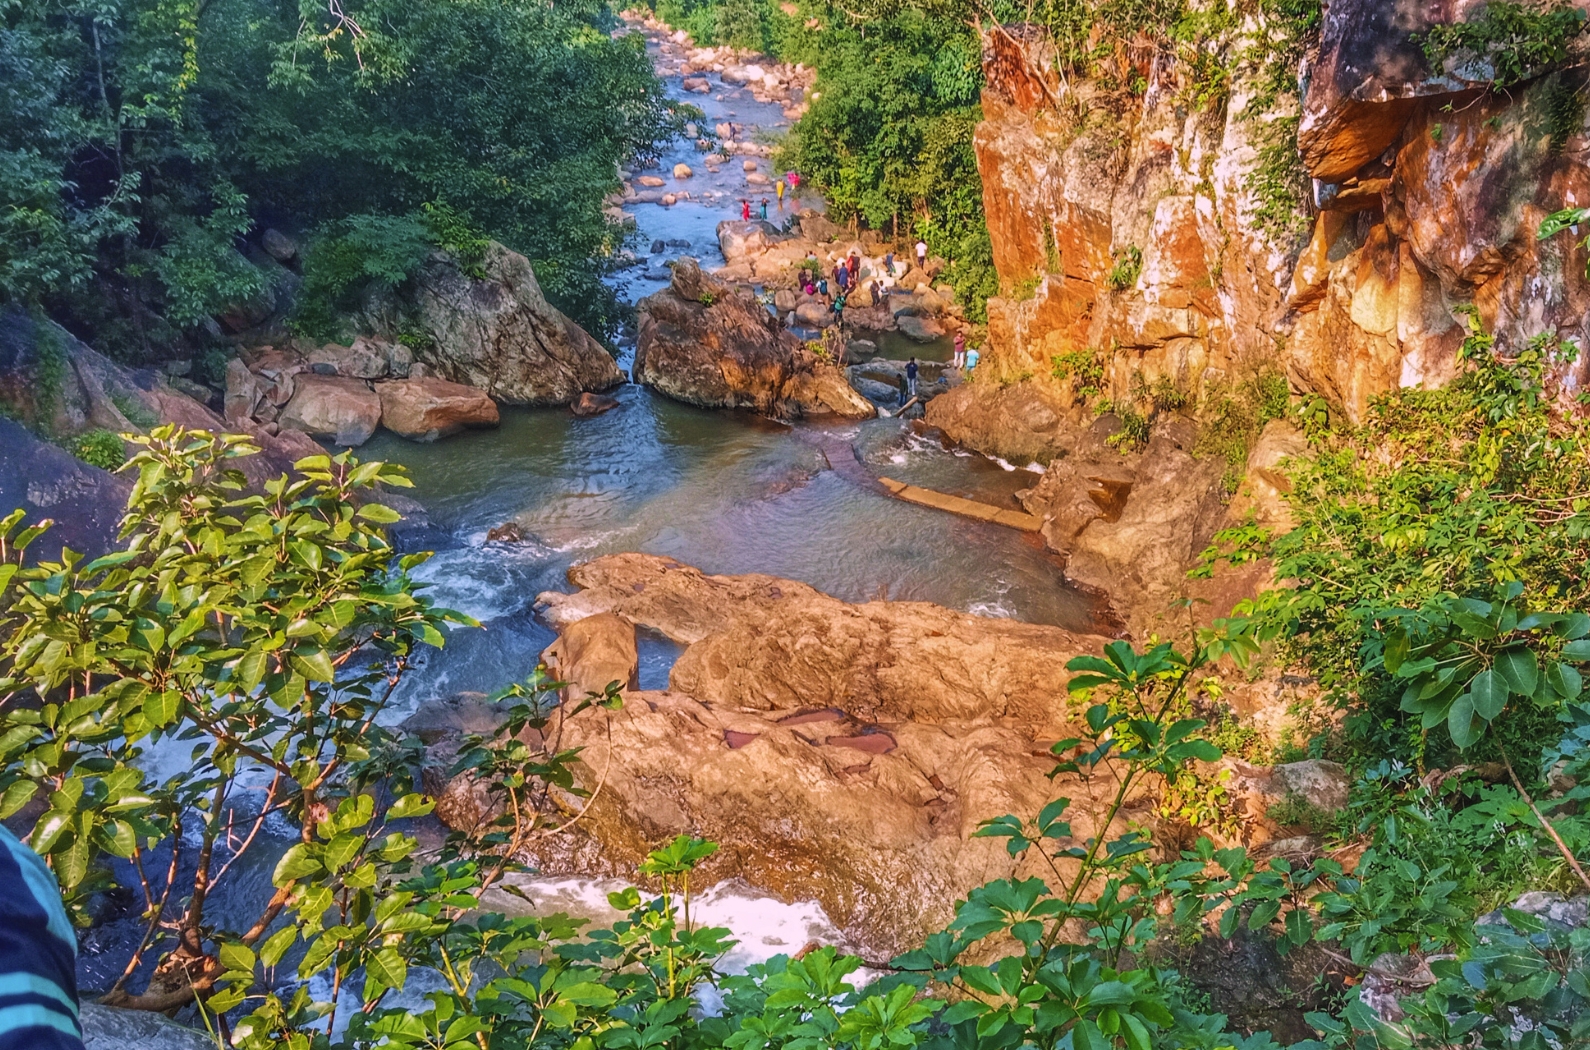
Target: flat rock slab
(967, 508)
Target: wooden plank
(964, 507)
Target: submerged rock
(707, 343)
(591, 404)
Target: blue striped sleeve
(38, 955)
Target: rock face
(343, 411)
(500, 334)
(705, 343)
(110, 1028)
(426, 409)
(1159, 234)
(836, 751)
(48, 482)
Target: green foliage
(351, 257)
(1085, 369)
(1446, 509)
(1128, 267)
(140, 136)
(1279, 183)
(100, 448)
(1507, 44)
(1134, 430)
(210, 367)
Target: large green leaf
(1520, 669)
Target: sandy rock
(784, 300)
(741, 240)
(756, 178)
(849, 759)
(724, 131)
(592, 652)
(682, 171)
(427, 409)
(706, 343)
(502, 336)
(341, 410)
(651, 180)
(696, 85)
(748, 165)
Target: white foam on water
(995, 609)
(478, 581)
(762, 926)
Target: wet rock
(724, 131)
(706, 343)
(591, 404)
(427, 409)
(658, 247)
(48, 482)
(507, 532)
(749, 165)
(650, 180)
(500, 335)
(593, 652)
(696, 85)
(682, 171)
(342, 411)
(919, 329)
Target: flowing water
(726, 492)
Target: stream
(726, 492)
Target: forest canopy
(140, 139)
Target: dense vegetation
(140, 140)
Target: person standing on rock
(960, 349)
(764, 209)
(745, 209)
(839, 313)
(971, 359)
(888, 263)
(842, 278)
(910, 375)
(853, 264)
(778, 188)
(903, 388)
(921, 255)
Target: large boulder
(837, 752)
(739, 239)
(46, 481)
(762, 643)
(498, 332)
(426, 409)
(706, 343)
(594, 651)
(341, 410)
(113, 1028)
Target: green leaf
(1520, 669)
(48, 831)
(297, 862)
(379, 513)
(385, 969)
(1563, 680)
(1488, 694)
(237, 957)
(275, 946)
(314, 664)
(1460, 722)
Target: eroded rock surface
(706, 343)
(426, 409)
(499, 333)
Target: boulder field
(839, 752)
(481, 338)
(708, 343)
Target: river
(726, 492)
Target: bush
(1508, 44)
(100, 448)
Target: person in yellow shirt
(778, 187)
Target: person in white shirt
(921, 254)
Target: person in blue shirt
(910, 375)
(971, 358)
(38, 955)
